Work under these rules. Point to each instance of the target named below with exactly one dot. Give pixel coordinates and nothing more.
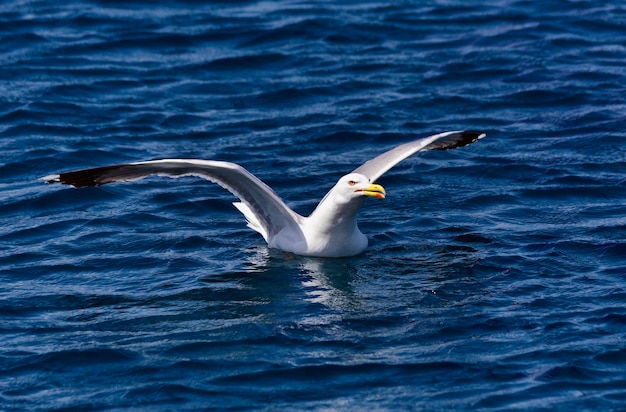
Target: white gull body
(330, 231)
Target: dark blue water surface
(495, 276)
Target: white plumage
(330, 231)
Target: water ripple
(493, 279)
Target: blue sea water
(495, 276)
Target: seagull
(330, 231)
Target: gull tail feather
(251, 219)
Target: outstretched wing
(267, 209)
(376, 167)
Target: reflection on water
(344, 286)
(324, 281)
(329, 282)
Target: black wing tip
(79, 178)
(82, 178)
(456, 140)
(472, 135)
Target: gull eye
(352, 183)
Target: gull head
(354, 186)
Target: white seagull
(330, 231)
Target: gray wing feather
(267, 206)
(376, 167)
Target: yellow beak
(373, 190)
